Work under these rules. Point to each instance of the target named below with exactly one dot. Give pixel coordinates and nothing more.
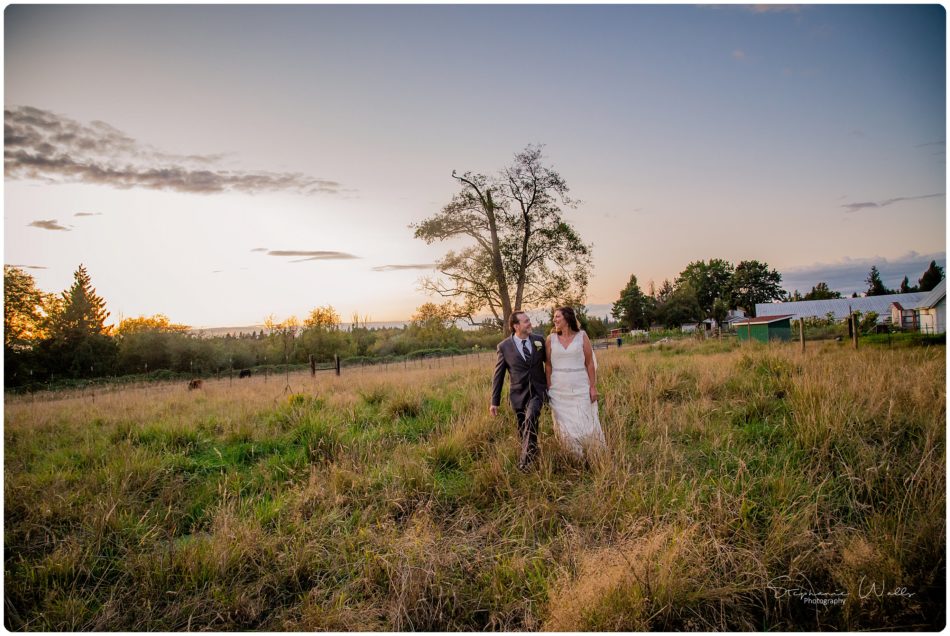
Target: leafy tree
(324, 317)
(25, 309)
(633, 309)
(821, 292)
(361, 336)
(321, 336)
(157, 323)
(753, 282)
(868, 321)
(146, 343)
(524, 253)
(876, 286)
(431, 315)
(710, 281)
(596, 328)
(433, 326)
(680, 307)
(720, 310)
(281, 339)
(931, 277)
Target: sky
(220, 164)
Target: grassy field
(744, 488)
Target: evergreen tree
(905, 286)
(633, 309)
(84, 312)
(821, 292)
(79, 344)
(876, 286)
(931, 277)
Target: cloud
(318, 255)
(738, 54)
(848, 275)
(756, 8)
(773, 8)
(88, 214)
(42, 145)
(51, 224)
(259, 249)
(932, 143)
(394, 268)
(856, 207)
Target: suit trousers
(528, 429)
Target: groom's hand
(493, 410)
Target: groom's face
(523, 327)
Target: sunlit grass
(388, 499)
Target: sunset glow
(218, 164)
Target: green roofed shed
(765, 328)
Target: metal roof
(841, 307)
(761, 320)
(935, 295)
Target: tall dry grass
(752, 488)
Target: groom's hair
(513, 320)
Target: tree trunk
(523, 266)
(497, 265)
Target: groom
(522, 356)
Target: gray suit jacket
(527, 377)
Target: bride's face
(558, 321)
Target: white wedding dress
(575, 416)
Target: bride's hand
(593, 394)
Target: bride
(572, 384)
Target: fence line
(180, 384)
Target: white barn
(924, 311)
(932, 310)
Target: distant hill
(234, 331)
(599, 311)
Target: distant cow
(194, 384)
(245, 373)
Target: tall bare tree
(524, 254)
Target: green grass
(391, 501)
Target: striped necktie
(525, 350)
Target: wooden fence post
(801, 332)
(336, 363)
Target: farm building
(734, 317)
(931, 312)
(765, 328)
(842, 307)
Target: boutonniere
(537, 344)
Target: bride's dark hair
(570, 317)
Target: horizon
(218, 164)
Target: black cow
(245, 373)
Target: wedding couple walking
(560, 370)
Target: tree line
(709, 290)
(66, 336)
